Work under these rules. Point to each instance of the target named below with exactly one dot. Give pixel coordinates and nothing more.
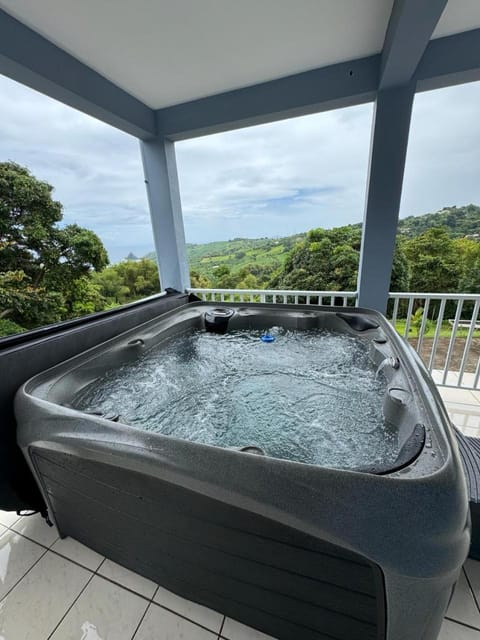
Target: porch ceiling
(184, 68)
(459, 15)
(164, 52)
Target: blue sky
(270, 180)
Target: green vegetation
(460, 222)
(445, 331)
(436, 259)
(43, 266)
(238, 263)
(50, 272)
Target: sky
(270, 180)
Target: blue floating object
(267, 337)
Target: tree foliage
(327, 260)
(41, 263)
(460, 222)
(127, 281)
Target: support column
(388, 149)
(161, 179)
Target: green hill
(263, 258)
(460, 221)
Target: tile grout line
(461, 624)
(99, 575)
(142, 618)
(221, 626)
(70, 607)
(144, 613)
(89, 581)
(471, 588)
(180, 615)
(152, 601)
(129, 589)
(23, 576)
(75, 562)
(95, 572)
(82, 566)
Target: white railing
(444, 328)
(278, 296)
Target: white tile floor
(52, 589)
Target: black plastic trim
(49, 329)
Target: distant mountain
(461, 221)
(265, 253)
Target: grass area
(445, 331)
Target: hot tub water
(310, 396)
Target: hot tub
(292, 467)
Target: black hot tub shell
(296, 550)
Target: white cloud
(443, 158)
(273, 179)
(95, 169)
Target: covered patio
(168, 71)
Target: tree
(127, 281)
(468, 252)
(28, 216)
(434, 261)
(44, 268)
(26, 305)
(199, 281)
(327, 260)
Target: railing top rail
(272, 292)
(434, 296)
(404, 295)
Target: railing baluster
(477, 375)
(423, 325)
(452, 339)
(345, 301)
(438, 329)
(468, 342)
(296, 299)
(409, 317)
(308, 300)
(395, 311)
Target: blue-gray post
(391, 123)
(163, 192)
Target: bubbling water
(309, 396)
